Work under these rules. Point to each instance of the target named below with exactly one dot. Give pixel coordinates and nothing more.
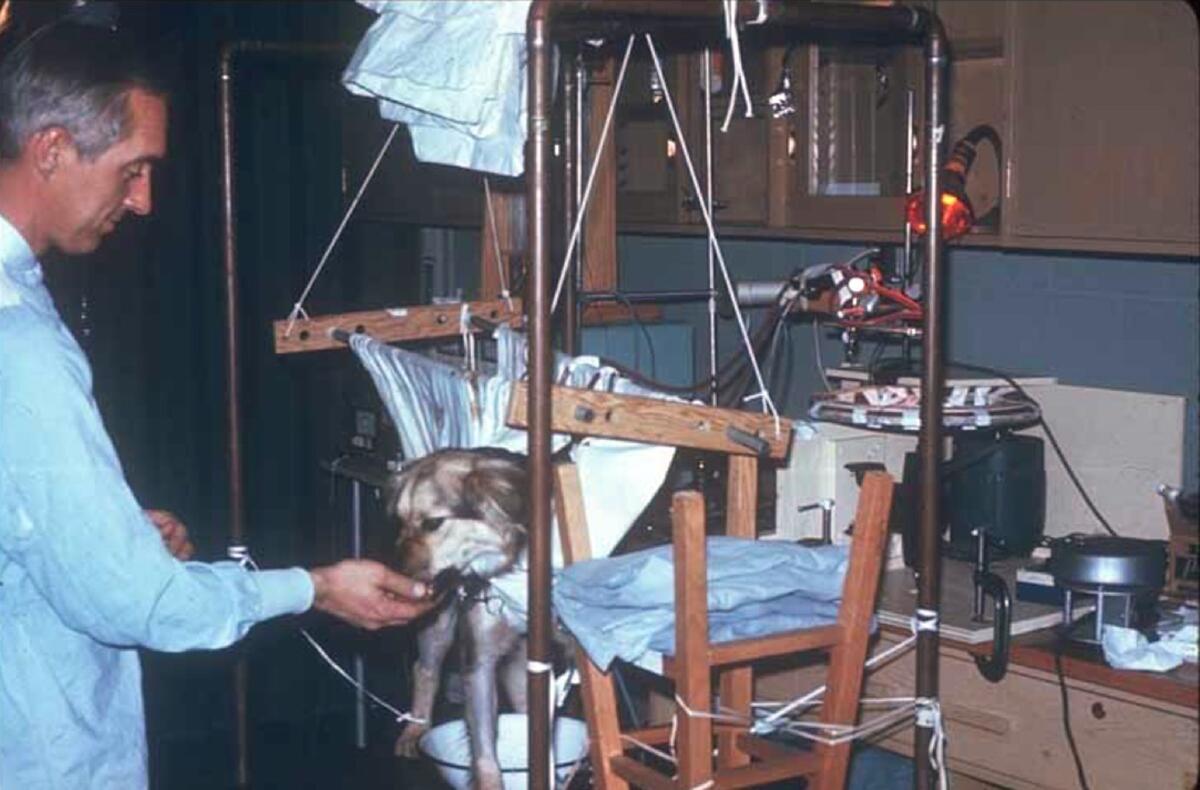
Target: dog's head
(460, 512)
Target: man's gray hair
(72, 76)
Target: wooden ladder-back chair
(742, 759)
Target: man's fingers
(402, 587)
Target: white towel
(454, 72)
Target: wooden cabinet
(650, 172)
(1105, 123)
(1095, 105)
(1011, 733)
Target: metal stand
(359, 471)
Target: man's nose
(138, 199)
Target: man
(85, 578)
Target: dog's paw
(407, 742)
(486, 776)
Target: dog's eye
(431, 524)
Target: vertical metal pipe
(571, 306)
(708, 200)
(909, 119)
(237, 506)
(356, 551)
(541, 361)
(233, 389)
(932, 385)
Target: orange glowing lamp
(957, 214)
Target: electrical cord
(1066, 708)
(1053, 442)
(623, 299)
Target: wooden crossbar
(655, 421)
(418, 322)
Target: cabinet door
(740, 154)
(404, 189)
(1104, 126)
(650, 172)
(848, 140)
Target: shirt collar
(15, 253)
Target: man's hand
(174, 534)
(367, 594)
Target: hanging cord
(298, 308)
(739, 73)
(1049, 435)
(1059, 643)
(587, 190)
(768, 405)
(241, 554)
(504, 292)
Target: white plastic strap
(468, 336)
(537, 667)
(241, 554)
(925, 620)
(298, 308)
(929, 715)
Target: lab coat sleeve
(68, 517)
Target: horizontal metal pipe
(589, 297)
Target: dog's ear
(391, 491)
(495, 492)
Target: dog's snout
(413, 558)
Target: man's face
(89, 198)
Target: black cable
(1045, 427)
(1066, 708)
(620, 297)
(1049, 435)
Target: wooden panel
(650, 420)
(395, 324)
(503, 232)
(600, 226)
(1097, 153)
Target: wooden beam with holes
(638, 419)
(421, 322)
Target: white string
(504, 293)
(587, 189)
(298, 308)
(768, 403)
(739, 73)
(241, 554)
(468, 336)
(812, 697)
(401, 716)
(929, 714)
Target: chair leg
(846, 661)
(693, 678)
(737, 685)
(599, 696)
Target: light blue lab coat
(84, 576)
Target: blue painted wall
(1116, 322)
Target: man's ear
(49, 148)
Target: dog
(462, 520)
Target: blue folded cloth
(624, 607)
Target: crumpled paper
(1127, 648)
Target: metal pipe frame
(227, 61)
(548, 18)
